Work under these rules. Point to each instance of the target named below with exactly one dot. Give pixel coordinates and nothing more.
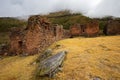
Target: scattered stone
(24, 55)
(34, 63)
(44, 55)
(4, 49)
(57, 46)
(97, 78)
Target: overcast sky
(91, 8)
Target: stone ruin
(38, 35)
(75, 30)
(90, 29)
(112, 27)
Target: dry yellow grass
(87, 59)
(17, 68)
(90, 58)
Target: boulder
(50, 66)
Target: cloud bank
(91, 8)
(106, 8)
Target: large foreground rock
(51, 65)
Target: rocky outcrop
(38, 35)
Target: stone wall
(38, 35)
(58, 31)
(75, 30)
(112, 27)
(66, 33)
(90, 29)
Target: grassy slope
(87, 58)
(17, 68)
(91, 57)
(6, 23)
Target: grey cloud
(106, 8)
(92, 8)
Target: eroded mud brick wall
(38, 35)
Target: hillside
(66, 18)
(87, 59)
(6, 23)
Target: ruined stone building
(75, 30)
(58, 31)
(112, 27)
(38, 35)
(90, 29)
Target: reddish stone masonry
(38, 35)
(112, 27)
(90, 29)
